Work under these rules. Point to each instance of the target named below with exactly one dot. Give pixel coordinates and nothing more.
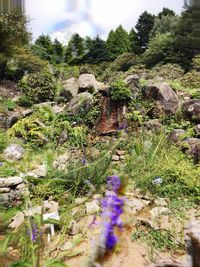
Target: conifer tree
(75, 49)
(97, 51)
(134, 42)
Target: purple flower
(112, 207)
(122, 126)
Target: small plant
(120, 92)
(39, 87)
(24, 101)
(10, 104)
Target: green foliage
(125, 61)
(160, 50)
(23, 61)
(24, 101)
(13, 31)
(75, 49)
(144, 26)
(3, 141)
(157, 240)
(117, 43)
(166, 12)
(39, 87)
(120, 92)
(196, 63)
(7, 170)
(152, 157)
(134, 42)
(167, 71)
(191, 79)
(30, 129)
(164, 25)
(10, 104)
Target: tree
(97, 51)
(44, 47)
(144, 26)
(163, 25)
(160, 50)
(58, 51)
(134, 42)
(166, 12)
(117, 43)
(75, 49)
(13, 31)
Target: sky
(61, 18)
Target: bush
(125, 61)
(38, 87)
(24, 101)
(196, 62)
(167, 71)
(23, 61)
(191, 79)
(120, 92)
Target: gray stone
(4, 190)
(133, 83)
(115, 158)
(81, 103)
(87, 83)
(161, 202)
(12, 119)
(176, 136)
(5, 199)
(167, 101)
(197, 129)
(192, 147)
(57, 109)
(135, 205)
(80, 200)
(10, 181)
(92, 207)
(153, 124)
(70, 87)
(39, 171)
(14, 152)
(17, 220)
(27, 112)
(191, 109)
(66, 246)
(121, 152)
(50, 206)
(62, 161)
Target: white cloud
(90, 17)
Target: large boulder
(70, 88)
(14, 152)
(191, 109)
(133, 83)
(80, 103)
(10, 181)
(166, 101)
(87, 83)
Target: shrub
(39, 87)
(196, 62)
(125, 61)
(23, 61)
(3, 141)
(24, 101)
(191, 79)
(167, 71)
(120, 92)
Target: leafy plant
(10, 104)
(120, 92)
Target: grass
(152, 157)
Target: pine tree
(57, 51)
(134, 42)
(75, 49)
(43, 43)
(144, 26)
(118, 42)
(166, 12)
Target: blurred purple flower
(122, 126)
(112, 207)
(1, 164)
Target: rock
(133, 83)
(192, 147)
(39, 171)
(153, 124)
(57, 109)
(191, 109)
(122, 157)
(10, 181)
(32, 211)
(12, 119)
(63, 138)
(176, 136)
(66, 246)
(167, 101)
(62, 161)
(80, 200)
(158, 211)
(80, 103)
(197, 129)
(135, 205)
(70, 87)
(14, 152)
(93, 153)
(87, 83)
(5, 199)
(50, 206)
(17, 220)
(4, 190)
(74, 229)
(27, 112)
(121, 153)
(161, 202)
(115, 158)
(92, 207)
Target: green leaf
(21, 264)
(4, 245)
(55, 263)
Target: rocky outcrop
(133, 83)
(191, 146)
(176, 136)
(166, 101)
(87, 83)
(11, 190)
(70, 88)
(80, 103)
(14, 152)
(191, 109)
(153, 124)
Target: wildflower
(112, 207)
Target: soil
(9, 89)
